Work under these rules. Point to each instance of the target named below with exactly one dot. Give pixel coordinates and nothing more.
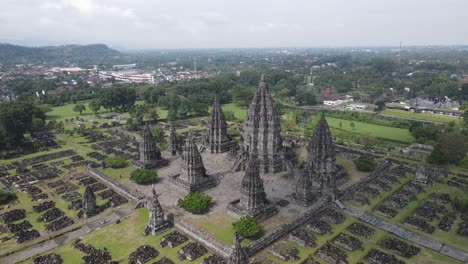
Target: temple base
(158, 230)
(203, 184)
(260, 214)
(150, 165)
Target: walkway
(60, 240)
(410, 236)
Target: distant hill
(13, 54)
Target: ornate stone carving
(253, 201)
(216, 139)
(157, 222)
(261, 133)
(239, 254)
(150, 156)
(192, 175)
(172, 143)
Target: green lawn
(122, 239)
(371, 130)
(425, 256)
(419, 116)
(239, 112)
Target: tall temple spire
(262, 130)
(150, 156)
(89, 206)
(252, 192)
(217, 139)
(157, 223)
(322, 160)
(239, 254)
(192, 168)
(253, 200)
(172, 143)
(192, 175)
(304, 192)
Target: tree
(79, 108)
(38, 124)
(247, 226)
(94, 106)
(241, 94)
(143, 176)
(451, 148)
(119, 98)
(15, 120)
(380, 106)
(365, 163)
(116, 162)
(158, 136)
(7, 196)
(195, 202)
(352, 125)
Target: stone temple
(217, 139)
(320, 171)
(239, 254)
(89, 206)
(253, 201)
(150, 156)
(157, 222)
(421, 176)
(172, 143)
(261, 133)
(192, 175)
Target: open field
(371, 130)
(425, 256)
(419, 116)
(122, 239)
(239, 112)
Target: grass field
(371, 130)
(426, 256)
(239, 112)
(419, 116)
(122, 239)
(66, 111)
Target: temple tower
(239, 254)
(192, 175)
(172, 143)
(321, 160)
(217, 140)
(262, 131)
(192, 169)
(421, 176)
(304, 194)
(157, 223)
(150, 156)
(89, 205)
(253, 201)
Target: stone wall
(381, 168)
(118, 187)
(207, 240)
(271, 237)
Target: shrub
(142, 176)
(116, 162)
(233, 133)
(6, 196)
(195, 202)
(247, 226)
(365, 163)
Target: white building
(356, 107)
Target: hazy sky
(153, 24)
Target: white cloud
(241, 23)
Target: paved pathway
(60, 240)
(410, 236)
